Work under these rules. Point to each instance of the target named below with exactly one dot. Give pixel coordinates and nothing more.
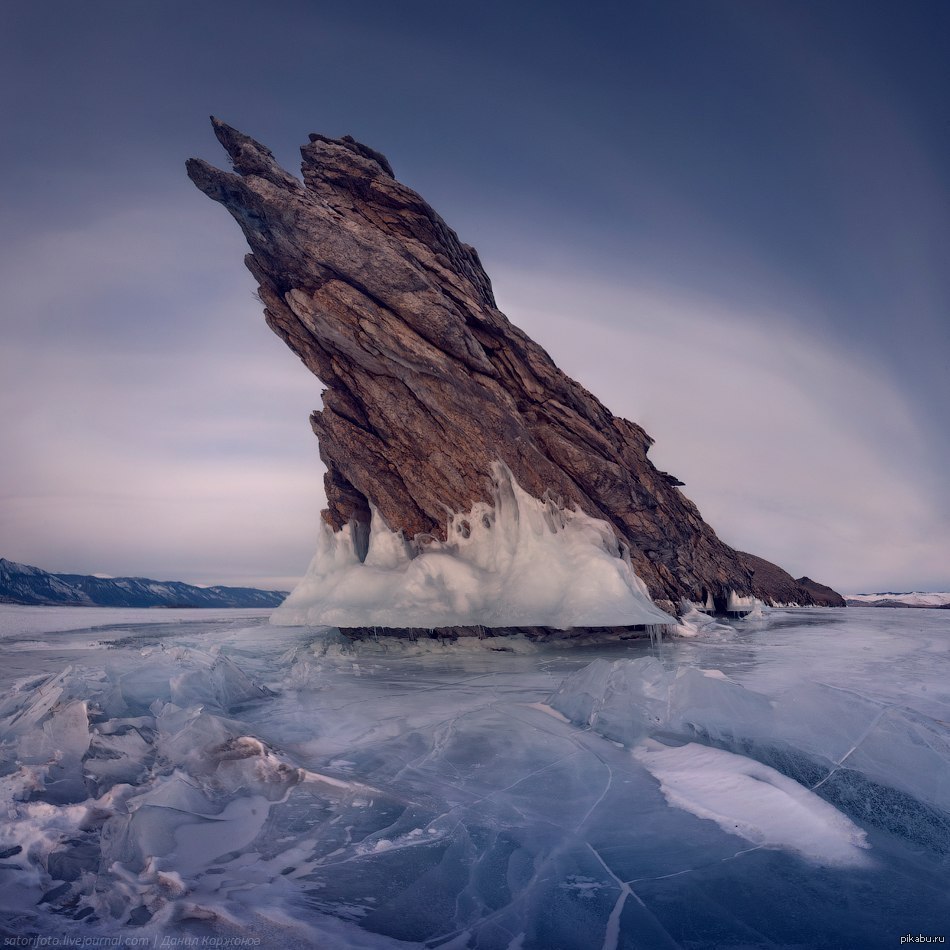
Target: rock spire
(428, 383)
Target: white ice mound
(519, 562)
(695, 623)
(749, 799)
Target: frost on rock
(521, 562)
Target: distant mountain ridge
(25, 584)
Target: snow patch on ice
(749, 799)
(519, 562)
(879, 762)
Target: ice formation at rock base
(515, 565)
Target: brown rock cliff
(428, 382)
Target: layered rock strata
(428, 383)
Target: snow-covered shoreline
(936, 599)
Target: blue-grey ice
(782, 781)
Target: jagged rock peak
(249, 157)
(429, 384)
(364, 151)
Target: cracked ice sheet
(459, 811)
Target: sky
(729, 220)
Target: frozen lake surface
(781, 783)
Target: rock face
(428, 383)
(822, 595)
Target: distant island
(24, 584)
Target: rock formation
(822, 594)
(428, 383)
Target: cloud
(203, 471)
(154, 425)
